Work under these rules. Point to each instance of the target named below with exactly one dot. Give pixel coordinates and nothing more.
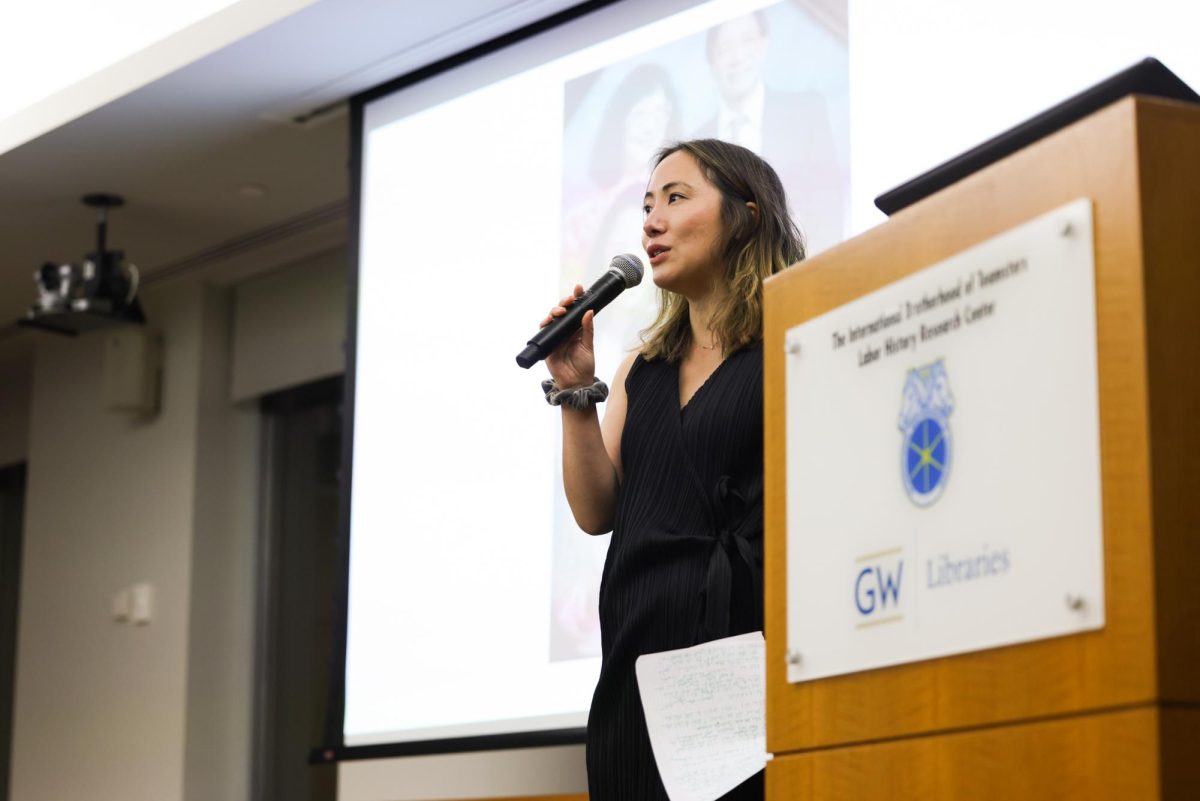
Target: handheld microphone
(623, 272)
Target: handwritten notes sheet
(706, 712)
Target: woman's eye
(646, 210)
(671, 198)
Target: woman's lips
(657, 253)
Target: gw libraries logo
(926, 404)
(878, 587)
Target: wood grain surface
(1120, 665)
(1095, 757)
(1169, 150)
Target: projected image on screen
(730, 82)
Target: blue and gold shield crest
(926, 452)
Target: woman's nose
(653, 224)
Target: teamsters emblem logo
(925, 422)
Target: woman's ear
(750, 204)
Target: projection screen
(485, 194)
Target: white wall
(108, 711)
(289, 325)
(221, 627)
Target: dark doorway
(12, 515)
(299, 560)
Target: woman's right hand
(573, 363)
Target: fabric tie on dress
(737, 525)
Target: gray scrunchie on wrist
(580, 398)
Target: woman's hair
(750, 247)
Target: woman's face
(646, 127)
(681, 232)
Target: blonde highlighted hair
(752, 247)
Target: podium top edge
(1148, 77)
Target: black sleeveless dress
(685, 562)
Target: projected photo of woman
(675, 470)
(641, 114)
(639, 117)
(774, 80)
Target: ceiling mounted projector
(99, 292)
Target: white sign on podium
(943, 458)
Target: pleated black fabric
(685, 562)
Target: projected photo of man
(773, 81)
(789, 129)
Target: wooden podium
(1108, 714)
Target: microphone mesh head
(630, 267)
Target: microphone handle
(599, 295)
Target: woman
(675, 470)
(641, 114)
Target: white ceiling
(180, 148)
